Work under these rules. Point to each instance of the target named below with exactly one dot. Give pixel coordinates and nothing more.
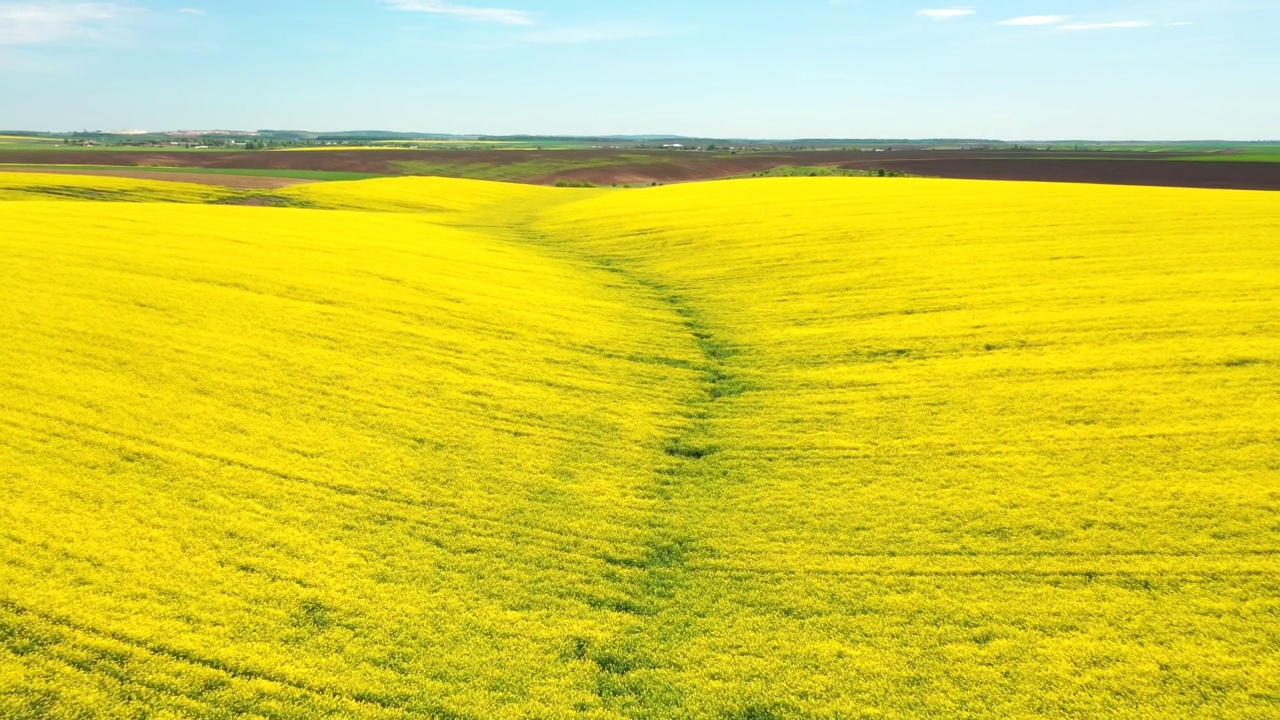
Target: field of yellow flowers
(746, 450)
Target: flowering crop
(777, 448)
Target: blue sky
(1041, 69)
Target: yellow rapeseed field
(47, 186)
(747, 450)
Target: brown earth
(1096, 168)
(606, 167)
(1164, 173)
(238, 182)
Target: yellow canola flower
(314, 463)
(470, 200)
(1011, 447)
(780, 448)
(56, 186)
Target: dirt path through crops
(239, 182)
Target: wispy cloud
(466, 12)
(1109, 25)
(192, 11)
(945, 13)
(593, 33)
(59, 23)
(1036, 20)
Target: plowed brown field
(239, 182)
(606, 167)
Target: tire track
(228, 669)
(633, 667)
(549, 534)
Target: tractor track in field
(630, 675)
(484, 525)
(634, 668)
(226, 669)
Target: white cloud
(466, 12)
(1036, 20)
(192, 11)
(946, 13)
(1108, 26)
(57, 23)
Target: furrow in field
(189, 657)
(638, 672)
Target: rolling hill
(771, 448)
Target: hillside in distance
(768, 448)
(605, 162)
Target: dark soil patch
(646, 167)
(1104, 171)
(240, 182)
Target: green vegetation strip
(525, 170)
(820, 171)
(1264, 156)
